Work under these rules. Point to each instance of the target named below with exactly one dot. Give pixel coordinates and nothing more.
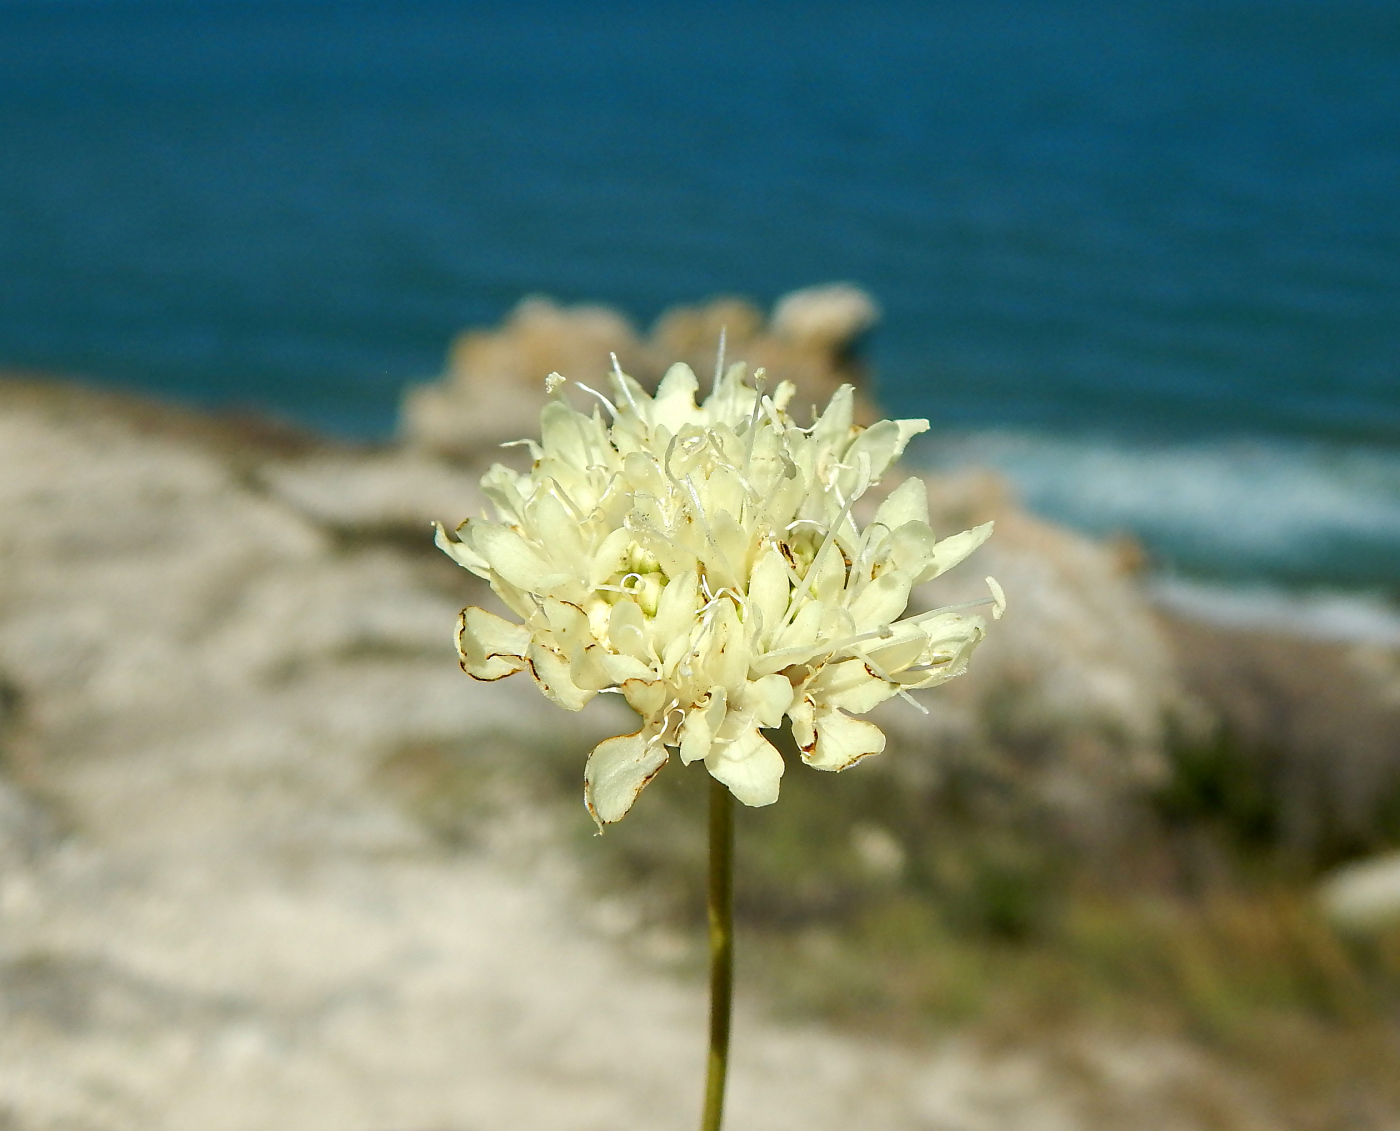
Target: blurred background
(1138, 263)
(1145, 257)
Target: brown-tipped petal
(843, 741)
(617, 772)
(701, 722)
(645, 696)
(852, 685)
(552, 676)
(490, 648)
(804, 732)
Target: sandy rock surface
(214, 917)
(493, 387)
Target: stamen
(901, 692)
(626, 391)
(666, 464)
(612, 408)
(673, 708)
(998, 597)
(803, 653)
(758, 382)
(648, 530)
(709, 534)
(917, 617)
(866, 560)
(574, 508)
(719, 360)
(814, 570)
(727, 591)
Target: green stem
(720, 903)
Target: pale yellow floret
(702, 561)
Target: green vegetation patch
(905, 908)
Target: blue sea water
(1143, 256)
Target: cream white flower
(703, 562)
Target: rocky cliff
(220, 646)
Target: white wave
(1318, 614)
(1233, 508)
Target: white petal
(675, 612)
(843, 741)
(517, 600)
(804, 627)
(490, 648)
(565, 435)
(647, 524)
(627, 630)
(827, 580)
(701, 722)
(621, 668)
(617, 771)
(724, 653)
(837, 623)
(833, 429)
(586, 668)
(729, 546)
(952, 639)
(882, 601)
(648, 697)
(674, 404)
(551, 672)
(575, 480)
(676, 651)
(803, 725)
(461, 553)
(567, 624)
(766, 700)
(880, 444)
(553, 525)
(906, 503)
(610, 556)
(950, 551)
(902, 649)
(502, 486)
(508, 553)
(850, 685)
(911, 547)
(633, 402)
(748, 764)
(952, 630)
(768, 593)
(643, 474)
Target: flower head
(703, 562)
